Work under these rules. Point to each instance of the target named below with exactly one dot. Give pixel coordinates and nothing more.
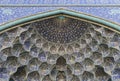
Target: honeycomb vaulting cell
(59, 48)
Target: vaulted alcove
(59, 45)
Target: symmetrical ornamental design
(59, 48)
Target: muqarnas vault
(59, 48)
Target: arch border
(87, 17)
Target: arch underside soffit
(59, 48)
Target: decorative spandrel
(59, 48)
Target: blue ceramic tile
(12, 13)
(60, 2)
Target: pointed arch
(86, 17)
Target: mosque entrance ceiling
(59, 48)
